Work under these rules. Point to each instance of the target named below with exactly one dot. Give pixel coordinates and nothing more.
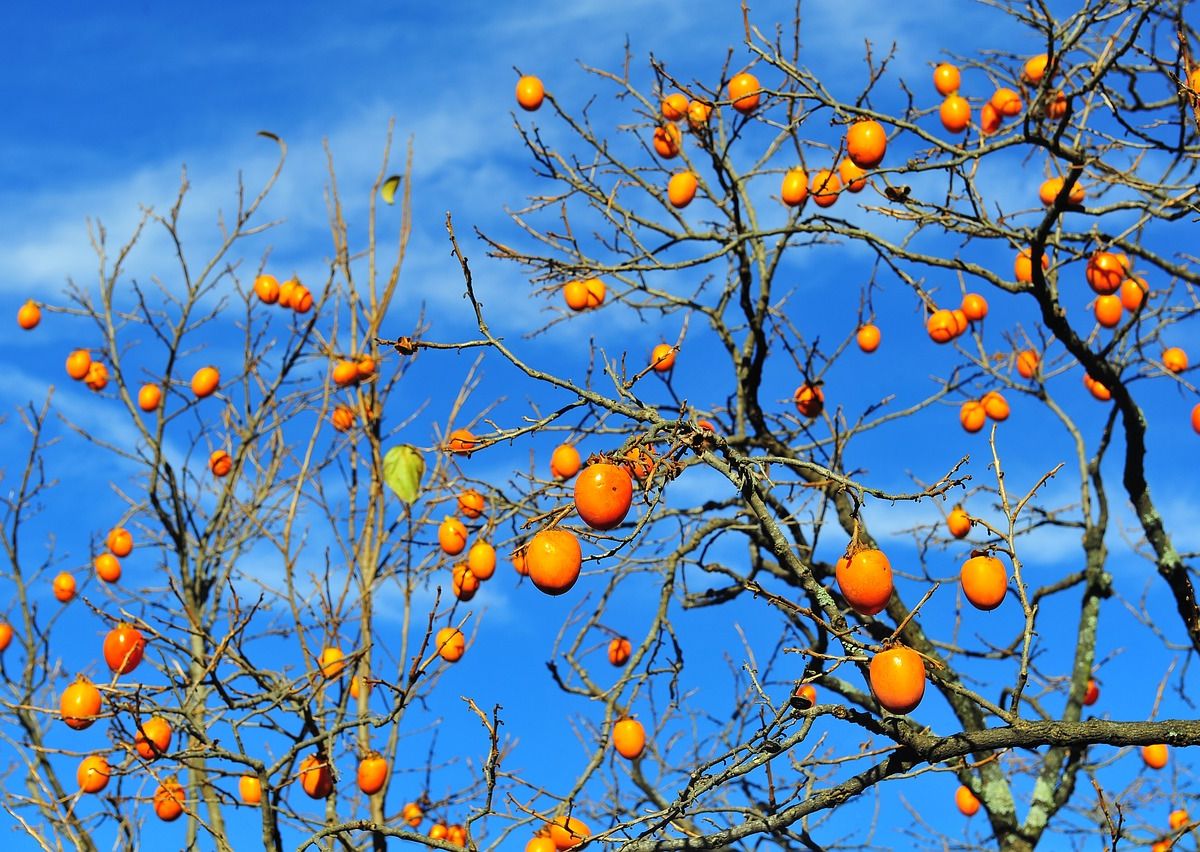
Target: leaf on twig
(403, 468)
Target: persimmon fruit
(853, 178)
(372, 773)
(153, 739)
(64, 586)
(78, 363)
(866, 143)
(565, 461)
(250, 789)
(530, 92)
(124, 647)
(984, 582)
(809, 400)
(567, 832)
(450, 644)
(619, 651)
(220, 463)
(1175, 359)
(29, 315)
(667, 141)
(6, 635)
(965, 801)
(744, 92)
(825, 187)
(554, 559)
(674, 106)
(331, 662)
(629, 738)
(662, 357)
(955, 114)
(93, 773)
(149, 397)
(108, 567)
(266, 287)
(681, 189)
(205, 382)
(1091, 693)
(316, 778)
(470, 504)
(897, 678)
(958, 522)
(1023, 265)
(603, 495)
(995, 406)
(974, 307)
(794, 189)
(169, 800)
(868, 337)
(972, 415)
(452, 536)
(461, 441)
(946, 79)
(865, 580)
(1027, 363)
(1155, 756)
(80, 703)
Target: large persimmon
(316, 778)
(530, 92)
(169, 800)
(153, 738)
(567, 832)
(984, 581)
(865, 580)
(452, 536)
(745, 92)
(898, 679)
(866, 143)
(554, 559)
(124, 647)
(629, 738)
(372, 773)
(966, 802)
(80, 704)
(603, 495)
(93, 773)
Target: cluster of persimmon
(290, 294)
(973, 414)
(945, 324)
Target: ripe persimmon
(1027, 363)
(331, 662)
(965, 801)
(205, 382)
(456, 835)
(794, 189)
(1023, 265)
(1006, 102)
(365, 367)
(412, 814)
(619, 650)
(1196, 418)
(119, 542)
(662, 357)
(581, 295)
(286, 289)
(530, 92)
(681, 189)
(698, 114)
(1052, 187)
(674, 106)
(93, 773)
(80, 703)
(946, 79)
(1092, 693)
(266, 287)
(972, 415)
(461, 441)
(78, 363)
(540, 844)
(995, 406)
(1035, 69)
(1105, 271)
(220, 463)
(1175, 359)
(450, 644)
(470, 503)
(955, 114)
(984, 581)
(1057, 106)
(809, 400)
(64, 586)
(302, 299)
(357, 683)
(250, 789)
(804, 696)
(989, 119)
(958, 522)
(974, 307)
(344, 373)
(153, 738)
(29, 315)
(961, 323)
(825, 187)
(667, 141)
(108, 567)
(865, 580)
(868, 337)
(1155, 756)
(6, 635)
(439, 831)
(941, 326)
(1178, 819)
(316, 779)
(124, 646)
(629, 738)
(744, 92)
(463, 584)
(640, 462)
(342, 418)
(866, 143)
(452, 536)
(169, 800)
(853, 178)
(567, 832)
(1108, 311)
(518, 562)
(565, 461)
(554, 559)
(1133, 292)
(149, 397)
(372, 773)
(603, 495)
(897, 678)
(481, 559)
(97, 376)
(1097, 388)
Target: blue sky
(104, 106)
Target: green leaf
(403, 468)
(389, 189)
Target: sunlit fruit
(941, 326)
(29, 315)
(461, 441)
(1108, 311)
(866, 143)
(108, 567)
(662, 357)
(439, 831)
(1092, 693)
(794, 189)
(1052, 187)
(518, 562)
(412, 814)
(619, 650)
(958, 522)
(456, 835)
(865, 580)
(581, 295)
(965, 801)
(1006, 102)
(80, 703)
(554, 559)
(1027, 363)
(603, 495)
(698, 114)
(1175, 359)
(1035, 69)
(93, 773)
(1056, 108)
(744, 92)
(1196, 418)
(897, 678)
(463, 583)
(6, 635)
(345, 372)
(302, 299)
(316, 778)
(1155, 756)
(868, 337)
(853, 178)
(124, 646)
(372, 773)
(974, 307)
(1178, 819)
(450, 644)
(989, 119)
(825, 187)
(169, 800)
(674, 106)
(470, 504)
(1105, 271)
(530, 92)
(266, 287)
(809, 400)
(567, 832)
(972, 415)
(149, 397)
(97, 376)
(1023, 265)
(331, 662)
(565, 461)
(995, 406)
(667, 141)
(1097, 388)
(1133, 292)
(984, 581)
(540, 843)
(220, 463)
(342, 418)
(250, 789)
(64, 586)
(358, 684)
(639, 461)
(452, 536)
(286, 289)
(955, 114)
(205, 382)
(481, 559)
(681, 189)
(946, 79)
(629, 738)
(153, 739)
(804, 696)
(119, 542)
(78, 363)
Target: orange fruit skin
(972, 415)
(29, 315)
(342, 418)
(1092, 694)
(154, 738)
(744, 92)
(619, 651)
(966, 802)
(315, 777)
(266, 287)
(868, 337)
(1178, 819)
(302, 299)
(540, 844)
(974, 306)
(1006, 102)
(93, 773)
(674, 106)
(250, 789)
(941, 326)
(1105, 271)
(629, 738)
(439, 831)
(698, 114)
(78, 363)
(825, 188)
(1057, 107)
(124, 647)
(372, 773)
(955, 114)
(603, 495)
(958, 522)
(898, 679)
(518, 561)
(530, 92)
(681, 189)
(461, 441)
(1196, 418)
(667, 141)
(108, 567)
(1051, 188)
(286, 290)
(581, 295)
(995, 406)
(470, 504)
(794, 189)
(481, 559)
(457, 835)
(97, 376)
(806, 694)
(852, 177)
(984, 582)
(662, 357)
(119, 542)
(220, 463)
(866, 143)
(149, 397)
(1023, 266)
(1155, 756)
(412, 814)
(345, 373)
(169, 799)
(1097, 389)
(331, 662)
(463, 584)
(1027, 363)
(865, 581)
(946, 79)
(989, 120)
(450, 644)
(1133, 293)
(554, 559)
(64, 587)
(809, 400)
(1175, 359)
(567, 832)
(80, 704)
(1108, 311)
(205, 382)
(6, 635)
(452, 536)
(565, 462)
(1035, 69)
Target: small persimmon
(93, 773)
(1006, 102)
(1178, 818)
(220, 463)
(205, 382)
(868, 337)
(619, 651)
(286, 289)
(804, 696)
(518, 562)
(372, 773)
(1133, 292)
(809, 400)
(955, 113)
(78, 363)
(456, 835)
(169, 800)
(794, 189)
(97, 376)
(266, 287)
(1097, 388)
(149, 397)
(530, 92)
(825, 187)
(667, 141)
(745, 92)
(565, 461)
(470, 504)
(866, 143)
(554, 559)
(974, 307)
(966, 802)
(452, 536)
(681, 189)
(540, 843)
(640, 462)
(461, 441)
(302, 299)
(450, 644)
(984, 582)
(439, 831)
(1023, 265)
(29, 315)
(674, 106)
(108, 567)
(331, 662)
(119, 542)
(124, 646)
(463, 584)
(80, 703)
(250, 789)
(1155, 756)
(603, 495)
(865, 580)
(316, 778)
(1108, 311)
(989, 119)
(1035, 69)
(153, 738)
(567, 832)
(946, 79)
(941, 326)
(6, 635)
(1196, 418)
(698, 114)
(995, 406)
(853, 178)
(342, 418)
(662, 357)
(1091, 694)
(972, 415)
(1175, 359)
(481, 559)
(345, 372)
(629, 738)
(64, 586)
(1027, 363)
(412, 814)
(958, 522)
(1056, 107)
(897, 678)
